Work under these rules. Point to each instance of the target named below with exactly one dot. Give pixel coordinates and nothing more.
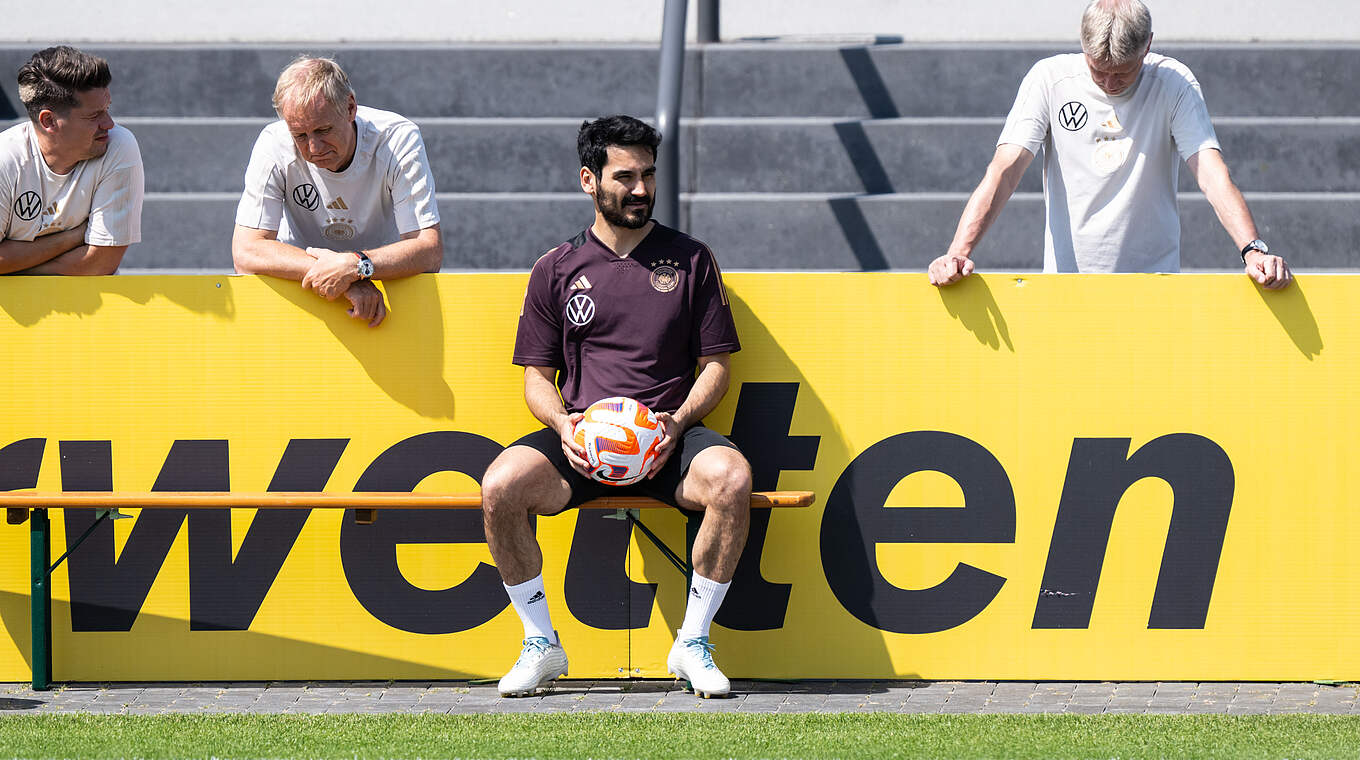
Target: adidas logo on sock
(537, 597)
(694, 592)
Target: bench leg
(40, 553)
(692, 523)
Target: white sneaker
(691, 659)
(539, 663)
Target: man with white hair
(71, 181)
(336, 194)
(1114, 122)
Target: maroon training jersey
(632, 326)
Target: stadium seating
(794, 156)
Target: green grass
(605, 735)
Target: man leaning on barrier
(1113, 121)
(71, 181)
(336, 194)
(627, 308)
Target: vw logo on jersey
(27, 205)
(306, 196)
(580, 310)
(1072, 116)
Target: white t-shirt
(106, 191)
(385, 192)
(1110, 161)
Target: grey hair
(1116, 31)
(309, 77)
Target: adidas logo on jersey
(537, 597)
(581, 284)
(337, 205)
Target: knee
(727, 481)
(499, 486)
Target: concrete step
(950, 155)
(411, 79)
(742, 79)
(816, 231)
(755, 155)
(889, 81)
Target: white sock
(531, 604)
(705, 597)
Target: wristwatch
(366, 265)
(1255, 245)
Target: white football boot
(691, 660)
(539, 663)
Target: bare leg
(719, 484)
(520, 482)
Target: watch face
(365, 268)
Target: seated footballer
(336, 194)
(629, 308)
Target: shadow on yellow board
(406, 363)
(166, 664)
(1290, 308)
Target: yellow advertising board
(1037, 477)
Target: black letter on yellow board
(597, 588)
(1098, 473)
(369, 552)
(20, 463)
(224, 594)
(760, 428)
(856, 521)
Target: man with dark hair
(336, 194)
(71, 181)
(626, 308)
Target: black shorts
(661, 487)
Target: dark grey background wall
(792, 156)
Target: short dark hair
(595, 137)
(52, 78)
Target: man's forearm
(416, 253)
(19, 255)
(1211, 172)
(708, 391)
(1232, 211)
(82, 260)
(543, 400)
(271, 257)
(983, 207)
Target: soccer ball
(620, 437)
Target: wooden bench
(32, 506)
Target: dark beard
(619, 215)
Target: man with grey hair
(336, 194)
(71, 182)
(1113, 122)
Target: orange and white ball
(620, 436)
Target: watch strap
(1255, 245)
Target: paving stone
(660, 695)
(1236, 709)
(1135, 689)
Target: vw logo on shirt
(27, 205)
(306, 196)
(580, 310)
(1072, 116)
